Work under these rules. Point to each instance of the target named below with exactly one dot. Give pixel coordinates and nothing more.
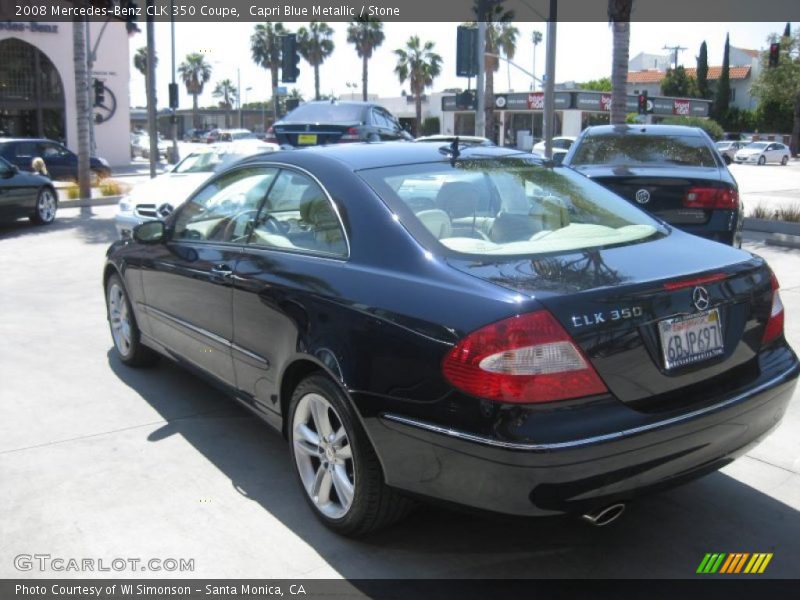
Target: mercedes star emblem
(643, 196)
(700, 298)
(165, 210)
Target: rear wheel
(762, 159)
(335, 463)
(784, 160)
(726, 158)
(124, 330)
(46, 206)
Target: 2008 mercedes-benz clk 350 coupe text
(465, 324)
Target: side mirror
(150, 232)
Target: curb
(784, 240)
(772, 226)
(82, 202)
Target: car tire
(345, 461)
(727, 159)
(762, 160)
(784, 160)
(46, 206)
(124, 330)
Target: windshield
(756, 146)
(654, 150)
(511, 206)
(324, 112)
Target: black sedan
(25, 194)
(334, 122)
(469, 325)
(62, 164)
(672, 171)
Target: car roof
(668, 130)
(6, 140)
(372, 155)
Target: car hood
(173, 188)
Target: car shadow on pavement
(664, 535)
(89, 229)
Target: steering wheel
(272, 225)
(232, 222)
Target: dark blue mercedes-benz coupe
(467, 324)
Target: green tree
(195, 73)
(619, 16)
(723, 97)
(265, 50)
(711, 127)
(678, 83)
(365, 34)
(419, 65)
(702, 72)
(140, 64)
(315, 45)
(227, 92)
(597, 85)
(779, 87)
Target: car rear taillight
(709, 197)
(351, 135)
(270, 136)
(774, 328)
(529, 358)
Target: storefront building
(37, 85)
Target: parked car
(729, 148)
(671, 171)
(212, 136)
(62, 164)
(232, 135)
(195, 135)
(761, 153)
(331, 122)
(529, 344)
(25, 194)
(563, 142)
(472, 140)
(158, 197)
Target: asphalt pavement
(101, 461)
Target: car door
(284, 272)
(17, 192)
(188, 281)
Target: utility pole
(239, 95)
(549, 84)
(152, 125)
(674, 50)
(173, 117)
(480, 109)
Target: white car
(563, 142)
(763, 152)
(157, 198)
(728, 149)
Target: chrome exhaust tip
(605, 515)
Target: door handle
(222, 270)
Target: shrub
(430, 126)
(789, 213)
(761, 212)
(112, 187)
(711, 127)
(73, 192)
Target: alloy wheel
(323, 455)
(46, 206)
(120, 319)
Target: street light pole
(152, 125)
(549, 84)
(174, 116)
(239, 95)
(480, 109)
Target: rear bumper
(576, 474)
(724, 226)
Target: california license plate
(692, 339)
(305, 139)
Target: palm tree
(619, 15)
(265, 49)
(195, 73)
(537, 39)
(418, 64)
(140, 64)
(82, 106)
(315, 45)
(228, 92)
(365, 34)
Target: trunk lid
(612, 301)
(659, 190)
(311, 134)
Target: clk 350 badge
(618, 314)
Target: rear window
(655, 150)
(510, 206)
(327, 113)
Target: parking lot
(101, 461)
(771, 185)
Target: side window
(390, 122)
(225, 210)
(25, 149)
(299, 216)
(51, 151)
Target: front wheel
(762, 160)
(784, 160)
(335, 463)
(124, 330)
(46, 206)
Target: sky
(583, 52)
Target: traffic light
(466, 51)
(290, 58)
(129, 10)
(643, 102)
(774, 54)
(99, 92)
(173, 96)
